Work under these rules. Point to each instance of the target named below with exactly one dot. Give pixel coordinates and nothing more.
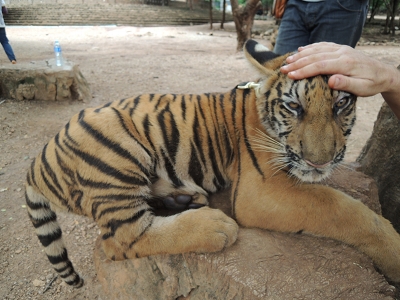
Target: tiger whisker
(261, 134)
(278, 161)
(292, 175)
(278, 169)
(328, 179)
(266, 142)
(342, 165)
(263, 141)
(279, 166)
(269, 149)
(297, 181)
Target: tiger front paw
(194, 230)
(208, 230)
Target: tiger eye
(341, 102)
(294, 105)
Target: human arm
(353, 71)
(4, 10)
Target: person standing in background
(306, 22)
(3, 37)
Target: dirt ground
(118, 62)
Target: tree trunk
(388, 5)
(392, 25)
(211, 16)
(190, 4)
(244, 19)
(375, 4)
(391, 28)
(391, 9)
(223, 14)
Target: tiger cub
(268, 142)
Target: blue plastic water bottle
(57, 52)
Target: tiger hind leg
(181, 198)
(182, 201)
(44, 219)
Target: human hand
(351, 70)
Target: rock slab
(380, 159)
(43, 80)
(260, 265)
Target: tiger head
(307, 122)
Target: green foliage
(265, 3)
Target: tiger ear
(266, 61)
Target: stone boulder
(43, 80)
(260, 265)
(380, 159)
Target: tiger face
(309, 122)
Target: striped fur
(113, 162)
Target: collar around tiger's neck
(249, 85)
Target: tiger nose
(318, 166)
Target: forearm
(392, 94)
(393, 102)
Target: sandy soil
(118, 62)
